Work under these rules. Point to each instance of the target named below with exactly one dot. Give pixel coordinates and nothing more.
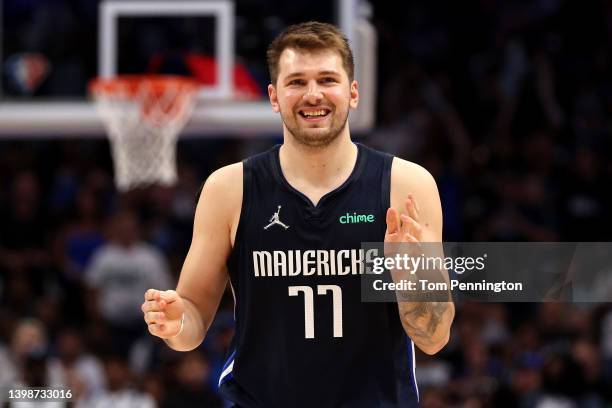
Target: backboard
(51, 50)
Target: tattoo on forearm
(423, 318)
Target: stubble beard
(319, 140)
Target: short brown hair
(310, 36)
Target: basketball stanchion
(143, 116)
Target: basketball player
(289, 242)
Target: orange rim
(157, 88)
(158, 84)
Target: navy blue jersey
(303, 336)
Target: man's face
(313, 95)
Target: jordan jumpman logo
(275, 220)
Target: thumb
(392, 221)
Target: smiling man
(289, 241)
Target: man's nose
(313, 93)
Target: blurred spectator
(585, 198)
(24, 234)
(81, 372)
(562, 381)
(586, 354)
(119, 274)
(74, 245)
(192, 387)
(120, 392)
(25, 361)
(79, 239)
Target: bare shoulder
(225, 177)
(224, 185)
(221, 196)
(408, 177)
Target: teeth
(314, 113)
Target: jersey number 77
(309, 306)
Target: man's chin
(315, 131)
(316, 137)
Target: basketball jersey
(303, 336)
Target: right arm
(204, 275)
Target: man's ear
(273, 98)
(354, 94)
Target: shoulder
(406, 174)
(220, 199)
(224, 185)
(409, 178)
(224, 177)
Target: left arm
(416, 216)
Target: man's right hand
(163, 312)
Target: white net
(143, 117)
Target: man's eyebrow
(300, 74)
(294, 74)
(329, 73)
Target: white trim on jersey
(225, 372)
(416, 386)
(234, 296)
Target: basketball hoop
(143, 115)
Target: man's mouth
(314, 114)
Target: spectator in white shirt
(126, 265)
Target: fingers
(160, 325)
(412, 207)
(410, 238)
(153, 301)
(164, 328)
(157, 300)
(159, 330)
(152, 294)
(154, 310)
(153, 306)
(409, 225)
(169, 296)
(393, 221)
(154, 317)
(404, 227)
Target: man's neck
(317, 170)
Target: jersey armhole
(246, 200)
(385, 185)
